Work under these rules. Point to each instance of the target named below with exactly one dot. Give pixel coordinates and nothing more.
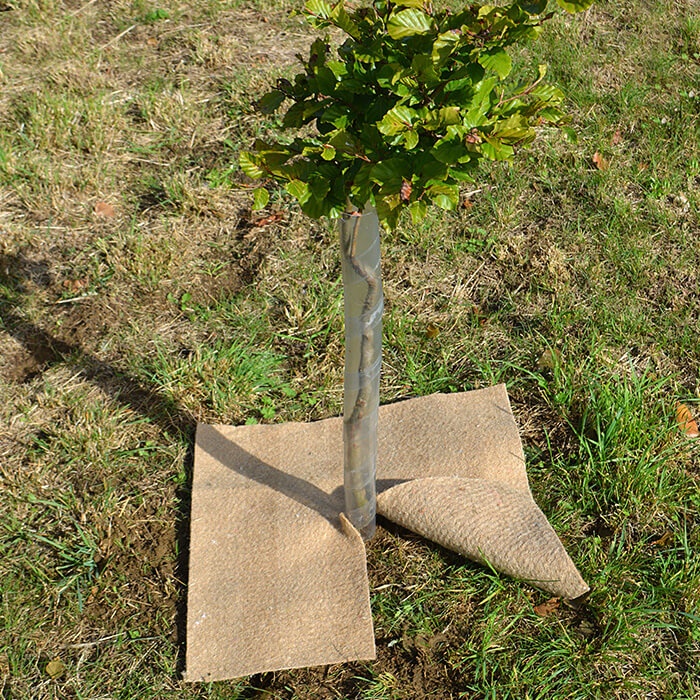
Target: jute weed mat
(277, 575)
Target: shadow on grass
(45, 350)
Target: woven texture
(489, 523)
(278, 577)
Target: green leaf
(396, 120)
(433, 170)
(431, 121)
(298, 190)
(298, 170)
(461, 174)
(497, 60)
(315, 208)
(480, 104)
(450, 152)
(338, 67)
(458, 84)
(269, 157)
(410, 140)
(344, 143)
(495, 150)
(317, 53)
(409, 22)
(418, 211)
(294, 117)
(515, 128)
(443, 47)
(575, 5)
(425, 70)
(570, 134)
(391, 172)
(319, 8)
(319, 187)
(328, 152)
(386, 76)
(326, 80)
(361, 185)
(444, 195)
(533, 7)
(260, 198)
(338, 115)
(486, 11)
(450, 115)
(439, 119)
(311, 149)
(369, 53)
(268, 103)
(388, 209)
(551, 114)
(341, 19)
(409, 3)
(249, 163)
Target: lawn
(140, 294)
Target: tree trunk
(364, 302)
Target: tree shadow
(46, 350)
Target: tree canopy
(406, 107)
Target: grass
(577, 286)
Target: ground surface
(139, 294)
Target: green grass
(576, 286)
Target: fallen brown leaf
(600, 162)
(685, 420)
(617, 137)
(74, 285)
(479, 315)
(267, 220)
(104, 209)
(547, 608)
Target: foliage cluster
(406, 107)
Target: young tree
(396, 117)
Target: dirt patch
(136, 581)
(25, 363)
(33, 349)
(207, 290)
(78, 308)
(410, 664)
(418, 663)
(414, 668)
(218, 267)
